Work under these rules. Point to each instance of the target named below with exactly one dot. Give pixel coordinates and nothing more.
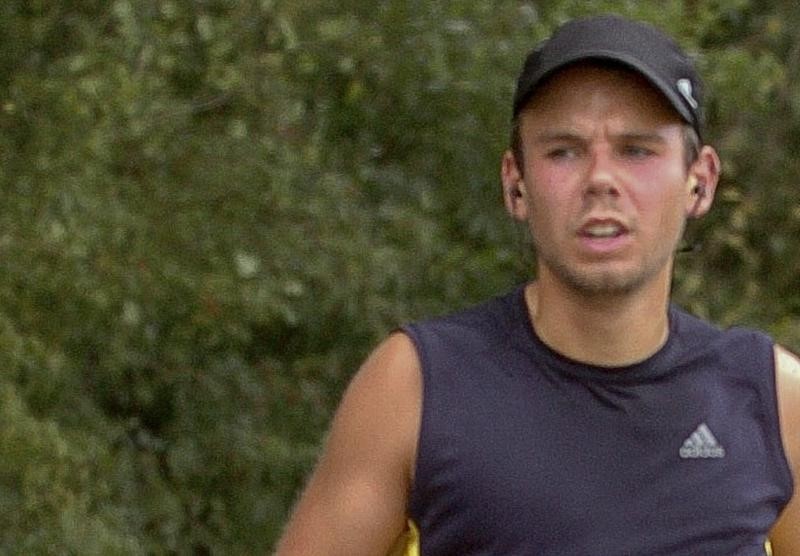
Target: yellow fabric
(408, 543)
(768, 547)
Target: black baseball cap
(638, 46)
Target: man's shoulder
(705, 331)
(488, 316)
(497, 308)
(477, 328)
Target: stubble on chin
(591, 280)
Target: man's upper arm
(355, 501)
(785, 536)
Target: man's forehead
(596, 72)
(588, 86)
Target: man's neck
(603, 330)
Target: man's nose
(601, 178)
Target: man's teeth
(603, 230)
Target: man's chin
(608, 282)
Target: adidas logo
(701, 444)
(685, 88)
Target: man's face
(605, 184)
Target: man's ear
(701, 185)
(514, 194)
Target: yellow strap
(768, 547)
(408, 543)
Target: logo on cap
(685, 89)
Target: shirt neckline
(649, 368)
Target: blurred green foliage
(213, 209)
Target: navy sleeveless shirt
(525, 452)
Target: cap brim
(631, 62)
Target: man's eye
(636, 151)
(560, 153)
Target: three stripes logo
(701, 444)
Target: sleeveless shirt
(523, 451)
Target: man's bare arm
(355, 501)
(785, 536)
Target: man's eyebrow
(557, 136)
(646, 136)
(570, 136)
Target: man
(582, 413)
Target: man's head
(616, 41)
(639, 46)
(607, 163)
